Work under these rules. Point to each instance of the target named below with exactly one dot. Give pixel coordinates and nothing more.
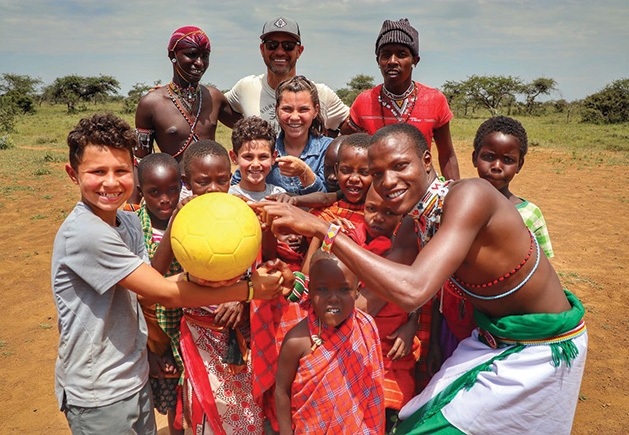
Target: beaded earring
(173, 60)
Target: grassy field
(50, 125)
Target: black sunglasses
(286, 45)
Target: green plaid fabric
(534, 220)
(167, 318)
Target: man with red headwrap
(183, 111)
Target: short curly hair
(203, 148)
(412, 133)
(252, 128)
(504, 125)
(103, 130)
(154, 161)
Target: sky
(582, 44)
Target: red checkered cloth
(341, 208)
(338, 388)
(270, 321)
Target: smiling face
(209, 173)
(333, 290)
(399, 174)
(380, 220)
(396, 64)
(295, 113)
(105, 178)
(498, 159)
(353, 173)
(160, 188)
(280, 61)
(255, 161)
(191, 63)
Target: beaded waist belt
(495, 341)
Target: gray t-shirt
(270, 189)
(102, 332)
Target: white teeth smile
(109, 195)
(395, 194)
(333, 310)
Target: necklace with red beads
(503, 277)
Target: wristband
(330, 236)
(249, 287)
(186, 276)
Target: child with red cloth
(329, 377)
(396, 328)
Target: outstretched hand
(281, 216)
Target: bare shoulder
(297, 340)
(215, 93)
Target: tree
(458, 96)
(19, 90)
(72, 89)
(608, 106)
(356, 85)
(492, 91)
(133, 97)
(540, 86)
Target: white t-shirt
(252, 96)
(270, 189)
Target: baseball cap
(283, 25)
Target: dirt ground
(586, 206)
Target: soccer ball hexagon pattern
(216, 236)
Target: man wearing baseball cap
(280, 47)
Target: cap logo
(280, 23)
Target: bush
(609, 106)
(5, 142)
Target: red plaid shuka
(270, 322)
(341, 208)
(338, 388)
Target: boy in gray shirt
(99, 269)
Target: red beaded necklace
(503, 277)
(403, 117)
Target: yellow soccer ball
(216, 236)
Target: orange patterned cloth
(338, 388)
(341, 208)
(270, 321)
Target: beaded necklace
(402, 105)
(503, 277)
(187, 96)
(175, 98)
(509, 292)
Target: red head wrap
(188, 36)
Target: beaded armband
(145, 139)
(330, 236)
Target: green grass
(41, 137)
(589, 143)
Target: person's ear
(72, 173)
(427, 161)
(300, 49)
(273, 157)
(474, 157)
(520, 164)
(185, 182)
(233, 157)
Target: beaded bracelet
(330, 236)
(250, 287)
